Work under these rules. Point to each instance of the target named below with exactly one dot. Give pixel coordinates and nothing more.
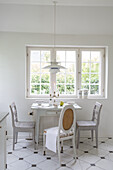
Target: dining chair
(90, 124)
(20, 126)
(65, 131)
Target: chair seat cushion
(55, 130)
(85, 123)
(20, 124)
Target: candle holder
(53, 97)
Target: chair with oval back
(91, 124)
(20, 126)
(65, 131)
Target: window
(84, 70)
(66, 79)
(91, 71)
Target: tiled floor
(88, 157)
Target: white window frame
(102, 88)
(77, 72)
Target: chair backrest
(67, 120)
(96, 112)
(13, 113)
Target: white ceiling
(83, 20)
(61, 2)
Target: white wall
(83, 20)
(12, 74)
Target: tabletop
(46, 106)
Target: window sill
(68, 98)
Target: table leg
(37, 130)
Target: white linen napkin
(51, 138)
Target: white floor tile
(64, 158)
(35, 158)
(99, 152)
(85, 147)
(48, 165)
(11, 158)
(70, 152)
(105, 164)
(106, 147)
(101, 157)
(95, 168)
(22, 153)
(78, 165)
(20, 165)
(109, 156)
(34, 168)
(87, 157)
(64, 168)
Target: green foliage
(60, 78)
(70, 78)
(95, 67)
(45, 78)
(35, 89)
(61, 89)
(35, 79)
(94, 89)
(69, 89)
(44, 89)
(85, 78)
(94, 78)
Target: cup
(85, 93)
(79, 94)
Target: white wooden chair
(65, 130)
(20, 126)
(90, 124)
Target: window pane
(69, 89)
(62, 70)
(85, 56)
(70, 78)
(35, 67)
(35, 56)
(95, 67)
(85, 87)
(45, 56)
(85, 67)
(35, 78)
(70, 56)
(94, 78)
(94, 89)
(95, 56)
(44, 89)
(45, 78)
(85, 78)
(35, 89)
(42, 66)
(70, 67)
(60, 56)
(60, 78)
(61, 89)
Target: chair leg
(74, 148)
(33, 134)
(14, 139)
(78, 140)
(62, 146)
(59, 152)
(44, 144)
(96, 135)
(92, 135)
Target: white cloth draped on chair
(54, 137)
(51, 138)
